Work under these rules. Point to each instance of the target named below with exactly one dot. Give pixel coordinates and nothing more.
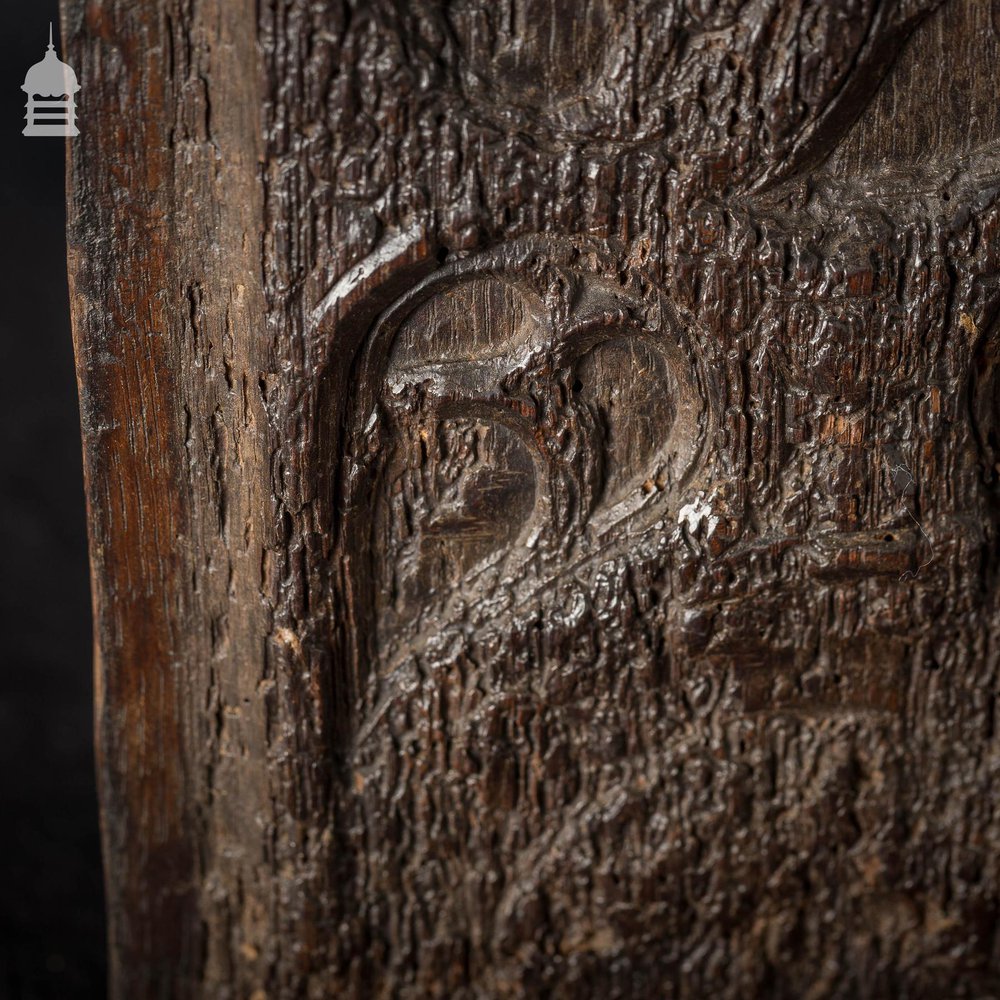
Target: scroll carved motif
(758, 90)
(532, 397)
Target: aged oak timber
(543, 471)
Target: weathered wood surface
(542, 473)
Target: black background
(51, 904)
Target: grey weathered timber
(542, 469)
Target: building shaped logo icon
(51, 87)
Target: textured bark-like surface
(542, 467)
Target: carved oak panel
(596, 578)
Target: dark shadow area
(52, 935)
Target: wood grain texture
(541, 463)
